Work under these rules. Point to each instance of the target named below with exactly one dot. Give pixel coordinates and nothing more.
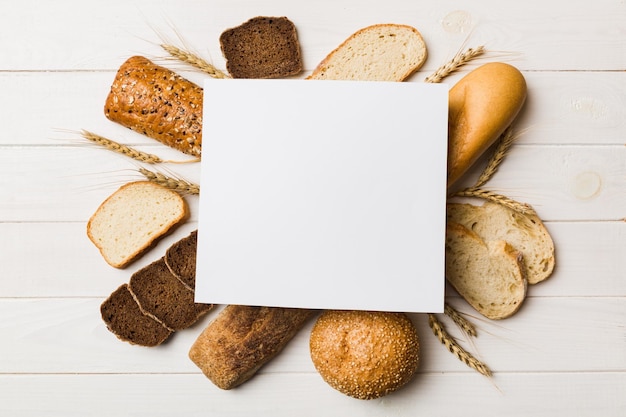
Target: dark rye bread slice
(123, 317)
(262, 47)
(180, 258)
(161, 295)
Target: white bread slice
(488, 275)
(381, 52)
(132, 219)
(525, 232)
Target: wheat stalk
(522, 208)
(121, 148)
(194, 60)
(176, 184)
(503, 145)
(460, 59)
(463, 323)
(455, 348)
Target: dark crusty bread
(241, 339)
(262, 47)
(162, 296)
(180, 258)
(124, 319)
(158, 103)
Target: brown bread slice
(158, 103)
(162, 296)
(490, 276)
(262, 47)
(180, 258)
(241, 339)
(525, 232)
(124, 319)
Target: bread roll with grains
(365, 354)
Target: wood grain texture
(563, 354)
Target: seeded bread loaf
(490, 275)
(158, 103)
(525, 232)
(124, 319)
(162, 296)
(382, 52)
(241, 339)
(262, 47)
(180, 258)
(365, 354)
(133, 219)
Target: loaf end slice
(124, 319)
(525, 232)
(490, 276)
(162, 296)
(262, 47)
(241, 339)
(133, 219)
(381, 52)
(180, 258)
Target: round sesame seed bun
(362, 354)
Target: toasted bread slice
(381, 52)
(490, 276)
(180, 258)
(525, 232)
(132, 220)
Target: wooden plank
(581, 36)
(515, 395)
(67, 335)
(586, 252)
(562, 107)
(67, 184)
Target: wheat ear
(503, 145)
(464, 324)
(455, 348)
(522, 208)
(194, 60)
(176, 184)
(460, 59)
(120, 148)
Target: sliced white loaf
(132, 219)
(488, 275)
(382, 52)
(525, 232)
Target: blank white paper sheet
(323, 194)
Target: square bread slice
(525, 232)
(124, 319)
(490, 275)
(133, 219)
(161, 295)
(262, 47)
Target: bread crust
(241, 339)
(158, 103)
(344, 73)
(481, 106)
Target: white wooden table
(564, 353)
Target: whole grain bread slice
(133, 219)
(180, 258)
(525, 232)
(123, 317)
(162, 296)
(262, 47)
(490, 275)
(381, 52)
